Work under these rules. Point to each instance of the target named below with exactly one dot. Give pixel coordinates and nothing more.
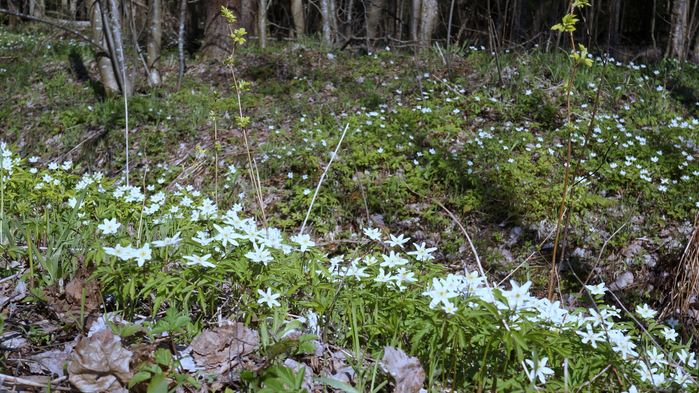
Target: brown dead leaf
(407, 371)
(52, 361)
(69, 303)
(218, 346)
(100, 363)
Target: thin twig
(320, 182)
(35, 384)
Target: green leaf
(129, 330)
(274, 384)
(158, 384)
(163, 357)
(520, 340)
(139, 377)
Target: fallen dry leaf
(52, 361)
(223, 344)
(407, 371)
(100, 363)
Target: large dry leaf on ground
(223, 344)
(407, 371)
(81, 296)
(100, 363)
(52, 361)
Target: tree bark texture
(415, 14)
(326, 23)
(13, 7)
(217, 42)
(428, 21)
(247, 15)
(118, 53)
(262, 23)
(180, 42)
(297, 12)
(374, 13)
(37, 8)
(104, 63)
(614, 33)
(678, 29)
(153, 43)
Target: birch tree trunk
(104, 63)
(347, 28)
(299, 17)
(374, 12)
(428, 21)
(118, 56)
(262, 23)
(415, 14)
(678, 29)
(180, 43)
(154, 41)
(327, 22)
(72, 8)
(64, 9)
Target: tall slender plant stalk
(579, 57)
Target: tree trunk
(678, 29)
(247, 15)
(415, 14)
(326, 15)
(37, 8)
(180, 43)
(154, 41)
(217, 42)
(347, 27)
(374, 12)
(299, 17)
(614, 33)
(14, 7)
(104, 63)
(262, 23)
(118, 54)
(428, 21)
(72, 8)
(333, 18)
(64, 9)
(520, 21)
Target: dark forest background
(648, 28)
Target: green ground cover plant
(194, 258)
(195, 235)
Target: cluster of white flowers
(7, 162)
(141, 255)
(595, 327)
(129, 194)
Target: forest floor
(481, 143)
